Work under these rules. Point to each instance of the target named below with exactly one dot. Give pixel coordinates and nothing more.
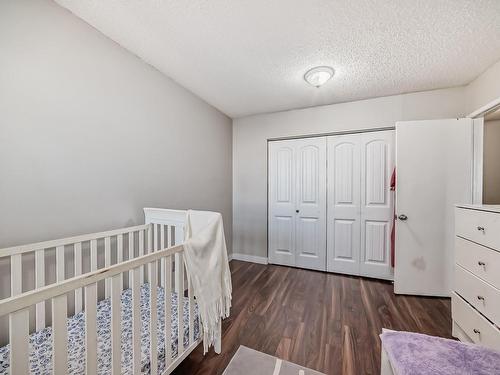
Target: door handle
(403, 217)
(297, 211)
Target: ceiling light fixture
(319, 75)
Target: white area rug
(247, 361)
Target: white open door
(434, 161)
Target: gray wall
(250, 135)
(484, 89)
(90, 134)
(491, 166)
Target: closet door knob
(297, 211)
(403, 217)
(477, 331)
(481, 229)
(481, 298)
(482, 264)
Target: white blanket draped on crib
(208, 268)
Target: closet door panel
(377, 164)
(343, 204)
(311, 203)
(376, 242)
(281, 234)
(344, 241)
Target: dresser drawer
(481, 261)
(473, 324)
(479, 226)
(484, 297)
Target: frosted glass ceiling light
(319, 75)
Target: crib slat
(153, 321)
(191, 311)
(93, 255)
(162, 264)
(169, 235)
(136, 320)
(78, 271)
(167, 264)
(16, 272)
(116, 325)
(141, 252)
(19, 342)
(39, 282)
(218, 338)
(119, 255)
(130, 255)
(179, 235)
(59, 335)
(91, 329)
(119, 248)
(179, 288)
(155, 233)
(107, 263)
(149, 241)
(162, 236)
(59, 263)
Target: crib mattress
(41, 342)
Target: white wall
(90, 134)
(250, 135)
(491, 177)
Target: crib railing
(96, 243)
(17, 308)
(154, 254)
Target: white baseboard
(248, 258)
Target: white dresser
(475, 301)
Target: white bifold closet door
(360, 203)
(297, 203)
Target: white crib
(132, 260)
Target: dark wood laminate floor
(326, 322)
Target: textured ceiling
(247, 57)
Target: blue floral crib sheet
(41, 342)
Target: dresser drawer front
(481, 261)
(478, 226)
(484, 297)
(473, 324)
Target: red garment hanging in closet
(393, 230)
